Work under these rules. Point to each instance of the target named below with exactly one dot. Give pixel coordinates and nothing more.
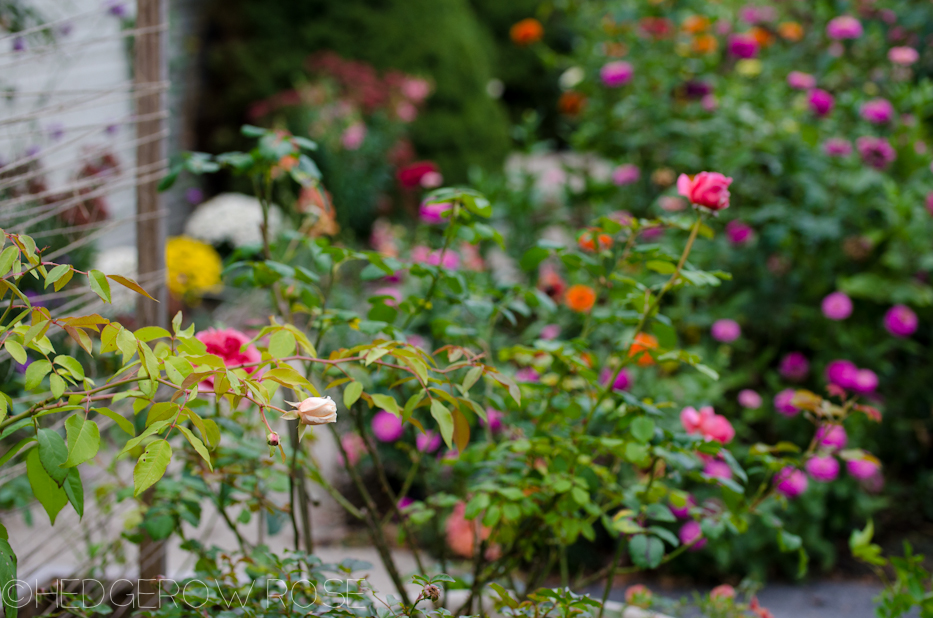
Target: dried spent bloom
(823, 468)
(315, 410)
(431, 592)
(726, 331)
(844, 27)
(691, 532)
(821, 102)
(783, 403)
(877, 111)
(616, 73)
(901, 321)
(526, 32)
(749, 399)
(580, 298)
(794, 366)
(707, 189)
(790, 482)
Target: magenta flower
(757, 14)
(683, 513)
(783, 403)
(837, 147)
(689, 533)
(832, 436)
(743, 45)
(823, 469)
(790, 482)
(739, 233)
(801, 81)
(900, 321)
(725, 330)
(625, 175)
(903, 55)
(794, 366)
(842, 373)
(866, 381)
(551, 331)
(749, 399)
(353, 136)
(717, 469)
(844, 27)
(436, 213)
(387, 427)
(875, 151)
(494, 418)
(617, 73)
(837, 306)
(821, 102)
(623, 380)
(527, 374)
(930, 203)
(863, 468)
(428, 442)
(877, 111)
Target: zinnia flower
(875, 151)
(823, 468)
(842, 373)
(837, 306)
(616, 73)
(387, 427)
(790, 30)
(900, 321)
(494, 419)
(794, 366)
(821, 102)
(726, 330)
(877, 111)
(683, 512)
(707, 189)
(580, 298)
(622, 382)
(428, 442)
(743, 45)
(866, 381)
(837, 147)
(526, 31)
(844, 27)
(790, 482)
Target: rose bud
(272, 439)
(316, 410)
(432, 592)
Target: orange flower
(644, 342)
(695, 24)
(587, 243)
(790, 30)
(581, 298)
(571, 103)
(526, 32)
(705, 44)
(764, 38)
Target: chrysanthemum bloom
(837, 306)
(493, 419)
(837, 147)
(877, 111)
(794, 366)
(783, 403)
(625, 175)
(844, 27)
(707, 189)
(684, 511)
(790, 30)
(689, 533)
(435, 213)
(227, 343)
(638, 596)
(832, 436)
(643, 342)
(526, 31)
(801, 81)
(192, 267)
(749, 399)
(622, 382)
(707, 423)
(823, 468)
(580, 298)
(875, 151)
(900, 321)
(726, 330)
(387, 427)
(863, 468)
(428, 442)
(866, 381)
(821, 102)
(743, 45)
(738, 232)
(790, 482)
(616, 73)
(903, 55)
(842, 373)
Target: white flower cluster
(554, 174)
(231, 218)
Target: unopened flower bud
(272, 439)
(432, 592)
(316, 410)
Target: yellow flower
(748, 67)
(193, 267)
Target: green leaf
(83, 440)
(472, 377)
(148, 333)
(7, 258)
(52, 497)
(151, 466)
(56, 273)
(788, 541)
(198, 445)
(52, 454)
(646, 551)
(352, 393)
(643, 429)
(99, 284)
(153, 428)
(56, 385)
(16, 351)
(36, 372)
(664, 268)
(71, 365)
(387, 403)
(119, 419)
(282, 344)
(532, 258)
(7, 576)
(129, 284)
(74, 489)
(445, 421)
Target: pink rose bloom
(527, 374)
(842, 373)
(617, 73)
(782, 403)
(707, 423)
(749, 399)
(460, 532)
(625, 175)
(725, 330)
(837, 147)
(866, 381)
(623, 380)
(353, 136)
(683, 513)
(387, 427)
(432, 180)
(428, 442)
(821, 102)
(405, 111)
(794, 366)
(354, 446)
(739, 233)
(551, 331)
(832, 436)
(877, 111)
(717, 469)
(801, 81)
(837, 306)
(863, 468)
(823, 469)
(689, 533)
(743, 45)
(669, 203)
(227, 343)
(394, 293)
(722, 591)
(494, 418)
(903, 55)
(844, 27)
(435, 213)
(790, 482)
(901, 321)
(706, 189)
(875, 151)
(416, 89)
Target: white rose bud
(316, 410)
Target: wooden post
(150, 71)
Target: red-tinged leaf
(87, 321)
(80, 337)
(129, 283)
(461, 430)
(870, 411)
(835, 390)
